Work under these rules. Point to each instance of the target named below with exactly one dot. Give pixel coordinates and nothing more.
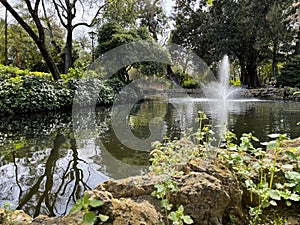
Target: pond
(45, 167)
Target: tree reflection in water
(44, 175)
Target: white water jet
(220, 96)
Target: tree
(278, 31)
(67, 12)
(237, 28)
(136, 13)
(290, 73)
(39, 36)
(112, 35)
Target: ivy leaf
(89, 218)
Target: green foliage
(290, 75)
(23, 91)
(186, 81)
(212, 30)
(163, 191)
(189, 84)
(85, 204)
(116, 84)
(258, 170)
(266, 178)
(179, 218)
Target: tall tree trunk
(5, 40)
(68, 55)
(297, 48)
(252, 77)
(39, 40)
(274, 61)
(49, 60)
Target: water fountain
(223, 98)
(221, 89)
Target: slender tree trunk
(274, 62)
(49, 60)
(39, 40)
(5, 40)
(297, 49)
(68, 55)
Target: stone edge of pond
(207, 185)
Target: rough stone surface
(208, 191)
(275, 94)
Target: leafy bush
(116, 84)
(22, 91)
(290, 73)
(189, 84)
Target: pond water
(44, 168)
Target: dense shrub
(23, 91)
(186, 81)
(189, 84)
(290, 73)
(116, 84)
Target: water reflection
(43, 169)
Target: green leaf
(165, 204)
(273, 203)
(89, 218)
(85, 201)
(103, 218)
(210, 2)
(272, 145)
(75, 208)
(287, 167)
(96, 203)
(274, 194)
(291, 155)
(288, 203)
(255, 139)
(19, 145)
(173, 216)
(292, 175)
(187, 220)
(294, 197)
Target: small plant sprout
(85, 204)
(163, 192)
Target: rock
(272, 93)
(208, 190)
(210, 194)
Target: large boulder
(208, 191)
